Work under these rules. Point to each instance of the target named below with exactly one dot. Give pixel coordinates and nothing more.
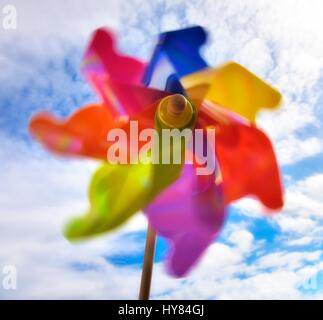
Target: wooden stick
(147, 268)
(175, 108)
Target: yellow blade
(233, 87)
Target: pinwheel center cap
(175, 111)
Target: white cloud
(292, 149)
(61, 19)
(217, 276)
(303, 197)
(51, 29)
(300, 241)
(289, 260)
(295, 224)
(243, 239)
(256, 52)
(249, 207)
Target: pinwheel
(175, 90)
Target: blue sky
(256, 256)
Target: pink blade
(189, 214)
(116, 77)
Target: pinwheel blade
(82, 134)
(189, 214)
(233, 87)
(176, 54)
(246, 158)
(116, 77)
